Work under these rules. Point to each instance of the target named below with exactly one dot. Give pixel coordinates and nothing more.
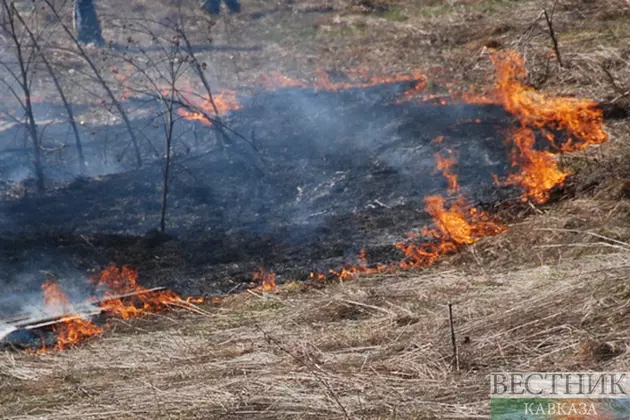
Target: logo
(576, 395)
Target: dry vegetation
(374, 348)
(550, 294)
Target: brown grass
(375, 348)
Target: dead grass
(374, 348)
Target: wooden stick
(552, 33)
(60, 319)
(130, 294)
(82, 310)
(453, 339)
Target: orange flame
(225, 102)
(266, 281)
(116, 283)
(578, 119)
(456, 223)
(459, 224)
(119, 281)
(278, 80)
(358, 78)
(55, 299)
(71, 329)
(355, 78)
(444, 165)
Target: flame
(266, 280)
(225, 102)
(358, 78)
(55, 300)
(568, 124)
(456, 225)
(444, 165)
(71, 329)
(116, 281)
(355, 78)
(123, 298)
(580, 120)
(278, 80)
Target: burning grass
(379, 347)
(122, 297)
(566, 124)
(375, 348)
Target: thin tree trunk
(102, 81)
(39, 171)
(66, 104)
(167, 145)
(24, 85)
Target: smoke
(24, 274)
(5, 330)
(320, 165)
(320, 154)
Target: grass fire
(300, 210)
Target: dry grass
(374, 348)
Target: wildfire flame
(457, 225)
(55, 300)
(579, 120)
(358, 78)
(444, 165)
(266, 280)
(276, 80)
(123, 298)
(120, 281)
(568, 124)
(225, 102)
(71, 329)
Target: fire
(361, 267)
(266, 281)
(225, 101)
(55, 300)
(71, 329)
(568, 124)
(539, 171)
(355, 78)
(278, 80)
(116, 281)
(123, 298)
(444, 164)
(358, 78)
(580, 120)
(456, 225)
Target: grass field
(550, 294)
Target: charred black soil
(308, 179)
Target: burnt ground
(331, 173)
(335, 171)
